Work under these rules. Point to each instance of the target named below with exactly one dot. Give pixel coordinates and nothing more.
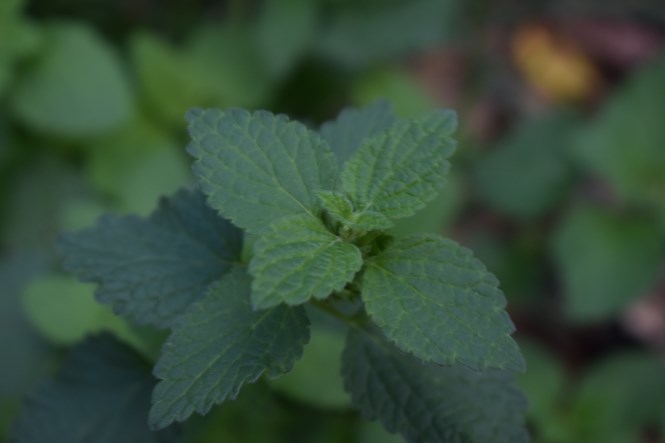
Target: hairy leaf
(151, 269)
(430, 403)
(101, 395)
(296, 259)
(398, 171)
(353, 125)
(434, 299)
(219, 345)
(340, 208)
(257, 167)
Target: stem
(325, 307)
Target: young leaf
(430, 403)
(434, 299)
(340, 208)
(397, 172)
(258, 167)
(296, 259)
(102, 394)
(346, 133)
(220, 344)
(151, 269)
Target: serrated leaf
(77, 88)
(434, 299)
(430, 403)
(340, 208)
(296, 259)
(257, 167)
(151, 269)
(101, 395)
(605, 261)
(219, 345)
(398, 171)
(353, 125)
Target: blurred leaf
(76, 88)
(526, 174)
(617, 398)
(136, 166)
(361, 33)
(605, 261)
(624, 144)
(315, 378)
(373, 432)
(284, 32)
(102, 394)
(18, 38)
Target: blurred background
(558, 184)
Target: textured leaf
(101, 395)
(605, 261)
(434, 299)
(353, 125)
(430, 403)
(151, 269)
(219, 345)
(397, 172)
(77, 88)
(296, 259)
(340, 208)
(258, 167)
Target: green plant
(307, 227)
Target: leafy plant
(429, 351)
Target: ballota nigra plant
(287, 220)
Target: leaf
(101, 395)
(296, 259)
(353, 125)
(430, 403)
(78, 87)
(434, 299)
(340, 208)
(397, 172)
(257, 167)
(151, 269)
(219, 345)
(527, 173)
(605, 261)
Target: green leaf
(296, 259)
(430, 403)
(605, 261)
(77, 88)
(219, 345)
(397, 172)
(353, 125)
(340, 208)
(434, 299)
(101, 395)
(151, 269)
(257, 167)
(527, 173)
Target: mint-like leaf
(430, 403)
(434, 299)
(219, 345)
(257, 167)
(151, 269)
(296, 259)
(101, 395)
(340, 208)
(352, 126)
(398, 171)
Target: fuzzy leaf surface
(340, 208)
(219, 345)
(398, 171)
(430, 403)
(151, 269)
(101, 395)
(435, 300)
(353, 125)
(256, 167)
(296, 259)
